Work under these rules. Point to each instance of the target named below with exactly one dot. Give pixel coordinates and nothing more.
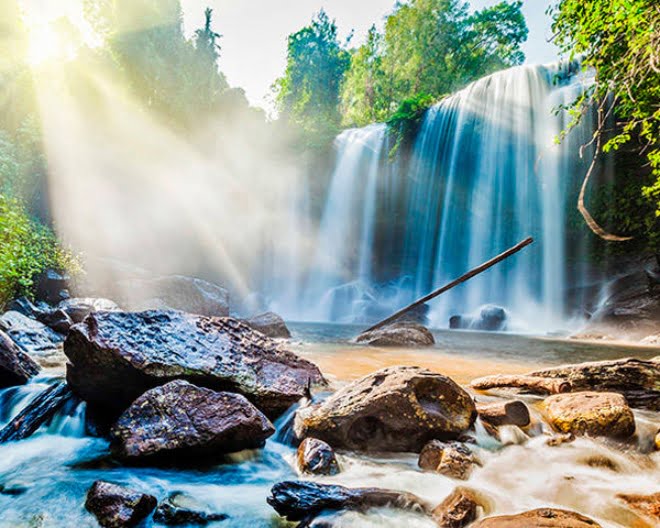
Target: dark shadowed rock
(458, 510)
(33, 337)
(404, 334)
(57, 320)
(180, 509)
(541, 518)
(317, 458)
(178, 292)
(180, 419)
(26, 307)
(116, 356)
(394, 409)
(269, 324)
(78, 308)
(452, 459)
(116, 506)
(491, 318)
(16, 367)
(590, 413)
(52, 286)
(302, 501)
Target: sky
(255, 32)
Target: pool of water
(43, 480)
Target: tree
(620, 41)
(429, 48)
(308, 94)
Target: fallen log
(476, 271)
(528, 384)
(504, 413)
(36, 413)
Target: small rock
(269, 324)
(298, 501)
(58, 320)
(600, 461)
(52, 286)
(452, 459)
(458, 510)
(16, 367)
(560, 439)
(491, 318)
(394, 409)
(176, 510)
(116, 506)
(404, 334)
(80, 307)
(647, 505)
(505, 413)
(541, 518)
(591, 413)
(182, 419)
(317, 458)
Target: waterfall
(483, 172)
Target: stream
(43, 480)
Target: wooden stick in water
(456, 282)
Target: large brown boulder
(16, 367)
(541, 518)
(394, 409)
(116, 356)
(116, 506)
(591, 413)
(399, 334)
(269, 324)
(180, 419)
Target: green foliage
(26, 249)
(308, 93)
(429, 47)
(620, 40)
(405, 120)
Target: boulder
(491, 318)
(647, 505)
(26, 307)
(52, 286)
(501, 413)
(179, 419)
(541, 518)
(33, 337)
(590, 413)
(116, 506)
(458, 510)
(400, 334)
(57, 320)
(269, 324)
(178, 292)
(316, 457)
(452, 459)
(16, 367)
(179, 509)
(78, 308)
(117, 356)
(394, 409)
(302, 501)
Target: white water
(485, 172)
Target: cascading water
(484, 172)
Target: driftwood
(36, 413)
(528, 384)
(504, 413)
(476, 271)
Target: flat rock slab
(180, 419)
(16, 367)
(117, 356)
(591, 413)
(403, 334)
(116, 506)
(394, 409)
(33, 337)
(541, 518)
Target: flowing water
(43, 480)
(483, 173)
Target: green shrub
(27, 248)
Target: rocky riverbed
(166, 418)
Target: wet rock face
(591, 413)
(491, 318)
(541, 518)
(16, 367)
(317, 458)
(183, 510)
(452, 459)
(80, 307)
(647, 505)
(302, 501)
(269, 324)
(180, 419)
(458, 510)
(117, 356)
(394, 409)
(33, 337)
(52, 286)
(116, 506)
(404, 334)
